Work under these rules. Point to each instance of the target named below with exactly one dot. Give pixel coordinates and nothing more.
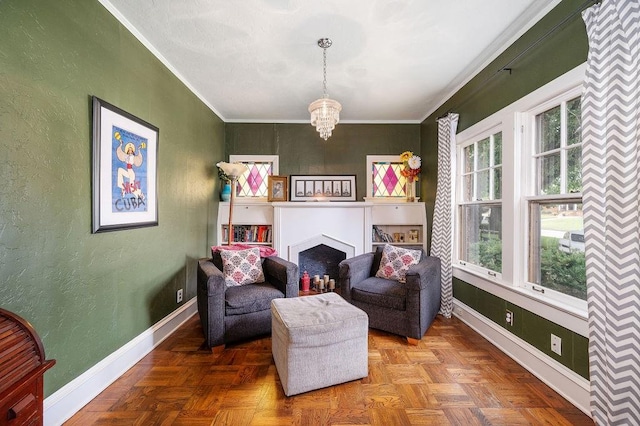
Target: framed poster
(277, 188)
(125, 160)
(323, 188)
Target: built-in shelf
(252, 223)
(400, 235)
(352, 227)
(254, 234)
(400, 224)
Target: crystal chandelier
(325, 112)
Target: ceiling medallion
(325, 112)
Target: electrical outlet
(509, 317)
(556, 344)
(179, 296)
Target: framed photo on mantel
(277, 187)
(323, 187)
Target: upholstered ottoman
(318, 341)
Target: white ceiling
(391, 60)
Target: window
(556, 230)
(518, 225)
(480, 203)
(253, 183)
(384, 180)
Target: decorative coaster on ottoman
(318, 341)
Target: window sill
(247, 200)
(389, 200)
(570, 317)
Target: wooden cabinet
(252, 223)
(22, 365)
(401, 224)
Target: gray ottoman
(318, 341)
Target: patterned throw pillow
(242, 266)
(395, 262)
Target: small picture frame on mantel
(323, 187)
(277, 188)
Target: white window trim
(275, 168)
(514, 190)
(274, 159)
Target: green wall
(485, 95)
(528, 326)
(87, 295)
(302, 151)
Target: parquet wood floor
(453, 377)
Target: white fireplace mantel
(345, 226)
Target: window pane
(548, 130)
(549, 174)
(557, 248)
(574, 132)
(483, 185)
(574, 170)
(482, 228)
(468, 158)
(467, 190)
(497, 149)
(497, 183)
(484, 153)
(253, 182)
(387, 180)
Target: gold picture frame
(277, 188)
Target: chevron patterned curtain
(442, 230)
(611, 200)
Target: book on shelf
(379, 236)
(248, 233)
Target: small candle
(316, 278)
(332, 284)
(326, 279)
(320, 285)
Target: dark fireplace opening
(321, 260)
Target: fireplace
(321, 254)
(321, 260)
(318, 235)
(301, 226)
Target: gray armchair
(407, 309)
(230, 314)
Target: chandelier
(325, 112)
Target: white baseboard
(573, 387)
(69, 399)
